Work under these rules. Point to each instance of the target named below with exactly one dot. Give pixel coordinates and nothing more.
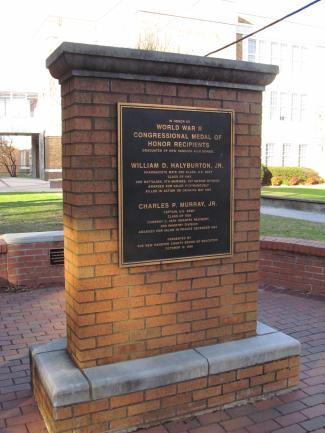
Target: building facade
(23, 123)
(293, 132)
(293, 105)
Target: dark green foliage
(266, 175)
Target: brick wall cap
(33, 237)
(69, 58)
(262, 329)
(294, 245)
(139, 374)
(249, 351)
(52, 346)
(64, 383)
(308, 201)
(67, 384)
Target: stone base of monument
(131, 394)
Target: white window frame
(251, 53)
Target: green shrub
(276, 181)
(265, 175)
(286, 173)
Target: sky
(23, 17)
(22, 23)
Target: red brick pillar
(116, 313)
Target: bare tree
(150, 41)
(8, 156)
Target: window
(287, 155)
(295, 107)
(283, 57)
(303, 107)
(270, 157)
(303, 155)
(4, 105)
(283, 106)
(308, 155)
(32, 101)
(295, 58)
(304, 58)
(19, 107)
(262, 54)
(25, 159)
(275, 58)
(273, 105)
(251, 57)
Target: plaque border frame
(120, 106)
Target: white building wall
(293, 105)
(19, 112)
(191, 27)
(294, 108)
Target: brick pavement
(26, 318)
(38, 316)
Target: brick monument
(161, 265)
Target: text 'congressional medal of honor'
(175, 183)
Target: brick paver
(29, 317)
(25, 318)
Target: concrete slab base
(130, 394)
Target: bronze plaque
(175, 183)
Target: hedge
(286, 174)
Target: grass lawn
(30, 212)
(291, 228)
(311, 193)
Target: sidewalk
(25, 184)
(36, 316)
(291, 213)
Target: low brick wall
(123, 396)
(144, 408)
(25, 260)
(3, 264)
(294, 264)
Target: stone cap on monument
(75, 59)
